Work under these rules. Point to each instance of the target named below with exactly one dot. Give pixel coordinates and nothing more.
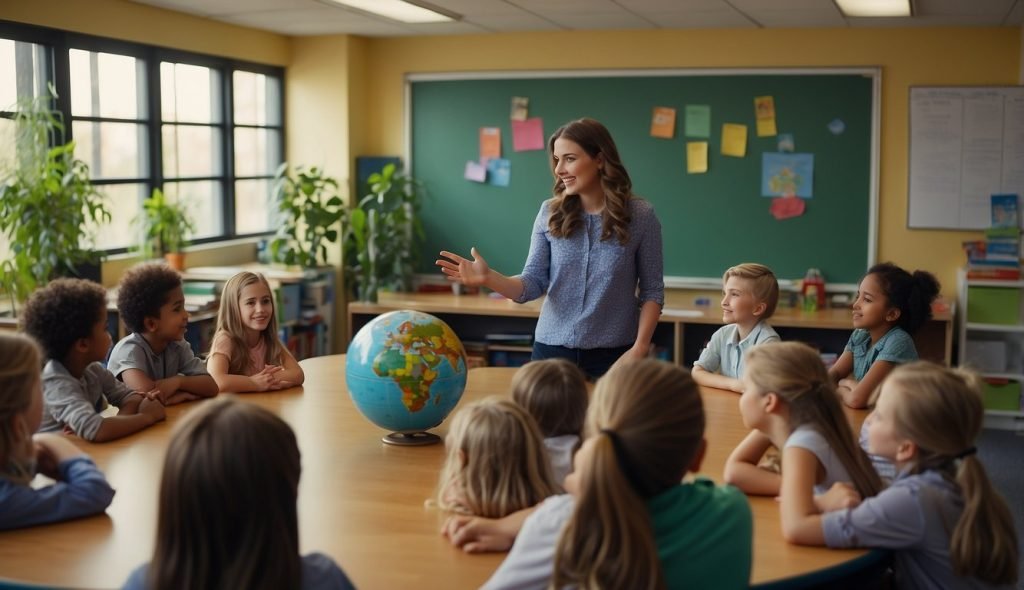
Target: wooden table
(360, 501)
(682, 327)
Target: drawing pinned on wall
(490, 143)
(764, 110)
(836, 126)
(520, 108)
(698, 120)
(787, 175)
(499, 172)
(475, 171)
(663, 122)
(734, 140)
(787, 207)
(696, 157)
(528, 135)
(786, 143)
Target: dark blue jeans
(594, 362)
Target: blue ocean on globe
(405, 371)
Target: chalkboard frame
(874, 73)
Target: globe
(406, 371)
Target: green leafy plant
(48, 207)
(310, 208)
(382, 234)
(165, 226)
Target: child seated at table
(628, 521)
(81, 488)
(68, 318)
(947, 525)
(155, 355)
(495, 463)
(554, 392)
(227, 515)
(246, 354)
(750, 293)
(790, 403)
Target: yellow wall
(140, 23)
(953, 56)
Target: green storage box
(1003, 396)
(993, 305)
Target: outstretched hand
(471, 273)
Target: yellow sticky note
(734, 140)
(766, 128)
(696, 157)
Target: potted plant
(49, 209)
(310, 209)
(165, 227)
(382, 234)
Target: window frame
(58, 43)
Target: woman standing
(596, 252)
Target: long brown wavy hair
(567, 209)
(19, 378)
(229, 321)
(651, 410)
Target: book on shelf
(997, 257)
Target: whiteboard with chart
(966, 144)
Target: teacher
(596, 252)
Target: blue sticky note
(499, 172)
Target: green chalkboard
(709, 221)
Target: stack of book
(997, 257)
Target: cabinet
(991, 330)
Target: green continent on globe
(410, 356)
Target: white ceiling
(313, 17)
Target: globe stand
(411, 439)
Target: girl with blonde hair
(495, 463)
(948, 526)
(790, 403)
(246, 354)
(227, 514)
(81, 488)
(554, 392)
(628, 521)
(595, 252)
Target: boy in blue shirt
(69, 319)
(155, 356)
(750, 293)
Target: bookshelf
(991, 332)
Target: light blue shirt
(319, 572)
(724, 352)
(81, 490)
(896, 346)
(594, 288)
(914, 516)
(807, 438)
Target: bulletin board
(709, 221)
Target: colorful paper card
(698, 120)
(528, 135)
(499, 172)
(786, 143)
(490, 143)
(764, 110)
(787, 207)
(663, 122)
(475, 171)
(734, 140)
(787, 175)
(520, 108)
(696, 157)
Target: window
(207, 130)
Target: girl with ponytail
(949, 527)
(628, 520)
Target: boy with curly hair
(155, 355)
(68, 318)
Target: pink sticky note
(475, 171)
(528, 135)
(786, 207)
